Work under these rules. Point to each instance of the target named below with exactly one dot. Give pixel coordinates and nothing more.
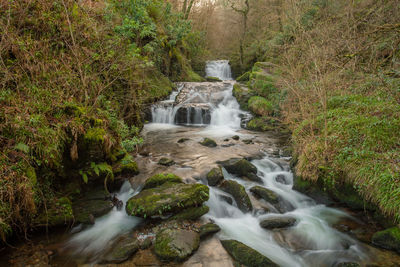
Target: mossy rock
(213, 79)
(239, 167)
(348, 195)
(176, 244)
(160, 179)
(208, 142)
(58, 214)
(183, 140)
(121, 251)
(388, 239)
(215, 176)
(166, 162)
(260, 106)
(191, 213)
(242, 95)
(266, 194)
(238, 192)
(169, 198)
(244, 77)
(126, 166)
(208, 229)
(278, 222)
(246, 255)
(117, 154)
(91, 148)
(95, 203)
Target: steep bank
(73, 80)
(335, 84)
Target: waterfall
(220, 69)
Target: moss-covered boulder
(246, 255)
(260, 106)
(176, 244)
(266, 194)
(162, 178)
(388, 239)
(278, 222)
(208, 229)
(166, 162)
(169, 198)
(215, 176)
(208, 142)
(121, 251)
(191, 213)
(213, 79)
(244, 77)
(242, 95)
(87, 209)
(242, 168)
(126, 166)
(238, 192)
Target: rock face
(176, 244)
(242, 168)
(388, 239)
(278, 222)
(215, 176)
(162, 178)
(238, 192)
(208, 229)
(121, 251)
(208, 142)
(166, 162)
(191, 213)
(169, 198)
(193, 114)
(246, 255)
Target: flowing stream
(198, 110)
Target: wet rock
(236, 137)
(193, 114)
(208, 142)
(348, 264)
(239, 167)
(213, 79)
(175, 244)
(191, 213)
(126, 167)
(238, 192)
(266, 194)
(252, 177)
(208, 229)
(280, 178)
(226, 140)
(169, 198)
(247, 141)
(95, 204)
(227, 199)
(215, 176)
(162, 178)
(246, 255)
(388, 239)
(278, 222)
(166, 162)
(183, 140)
(121, 251)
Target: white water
(92, 241)
(319, 243)
(220, 69)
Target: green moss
(266, 194)
(208, 142)
(126, 166)
(213, 79)
(74, 109)
(31, 174)
(208, 229)
(244, 77)
(95, 135)
(58, 214)
(191, 213)
(239, 194)
(260, 106)
(159, 179)
(215, 176)
(242, 95)
(246, 255)
(389, 239)
(166, 199)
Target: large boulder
(162, 178)
(238, 192)
(208, 229)
(176, 244)
(242, 168)
(169, 198)
(388, 239)
(246, 255)
(121, 250)
(266, 194)
(278, 222)
(215, 176)
(191, 213)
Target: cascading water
(219, 69)
(318, 244)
